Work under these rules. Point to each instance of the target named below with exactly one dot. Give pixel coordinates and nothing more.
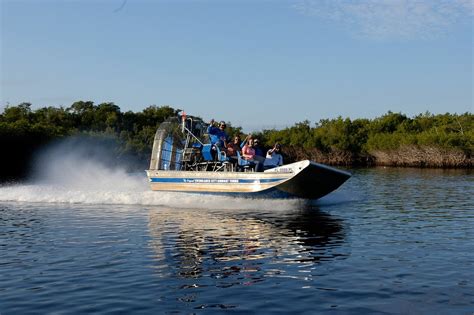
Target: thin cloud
(386, 19)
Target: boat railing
(190, 134)
(207, 157)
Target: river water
(389, 241)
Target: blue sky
(259, 64)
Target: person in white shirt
(274, 157)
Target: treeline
(393, 139)
(425, 140)
(23, 131)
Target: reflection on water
(389, 241)
(241, 248)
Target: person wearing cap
(274, 157)
(258, 150)
(218, 135)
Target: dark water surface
(390, 241)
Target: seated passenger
(233, 147)
(217, 134)
(274, 157)
(259, 155)
(248, 153)
(247, 139)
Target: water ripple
(390, 241)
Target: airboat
(184, 160)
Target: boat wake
(82, 173)
(52, 193)
(74, 179)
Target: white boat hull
(304, 179)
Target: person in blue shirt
(258, 149)
(274, 157)
(218, 135)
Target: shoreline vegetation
(393, 139)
